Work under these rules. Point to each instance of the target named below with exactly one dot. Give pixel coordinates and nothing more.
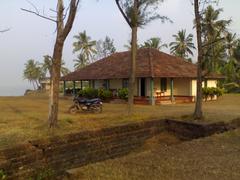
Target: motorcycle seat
(92, 100)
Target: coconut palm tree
(214, 31)
(47, 66)
(32, 73)
(80, 62)
(155, 43)
(183, 44)
(85, 46)
(212, 26)
(231, 43)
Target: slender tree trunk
(133, 60)
(198, 114)
(132, 79)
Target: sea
(12, 90)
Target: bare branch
(5, 30)
(36, 9)
(72, 13)
(37, 14)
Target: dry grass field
(164, 157)
(25, 118)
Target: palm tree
(137, 14)
(85, 46)
(155, 43)
(47, 66)
(213, 34)
(32, 73)
(212, 27)
(183, 44)
(231, 43)
(80, 62)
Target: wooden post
(172, 95)
(74, 88)
(64, 88)
(152, 100)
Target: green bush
(210, 92)
(88, 93)
(104, 94)
(205, 92)
(232, 88)
(95, 93)
(123, 93)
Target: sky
(31, 37)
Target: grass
(215, 157)
(25, 118)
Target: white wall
(193, 86)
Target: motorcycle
(86, 105)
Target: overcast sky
(31, 37)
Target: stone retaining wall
(74, 150)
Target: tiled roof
(150, 63)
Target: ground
(211, 158)
(162, 157)
(25, 118)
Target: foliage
(183, 44)
(105, 48)
(86, 48)
(146, 12)
(95, 93)
(33, 73)
(232, 87)
(214, 30)
(46, 66)
(155, 43)
(88, 93)
(2, 175)
(104, 94)
(211, 92)
(123, 93)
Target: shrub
(232, 88)
(95, 93)
(88, 93)
(205, 92)
(104, 94)
(210, 92)
(123, 93)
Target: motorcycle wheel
(97, 109)
(73, 109)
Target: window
(163, 84)
(125, 83)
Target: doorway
(143, 87)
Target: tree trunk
(62, 33)
(134, 27)
(55, 79)
(198, 107)
(132, 71)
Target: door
(142, 87)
